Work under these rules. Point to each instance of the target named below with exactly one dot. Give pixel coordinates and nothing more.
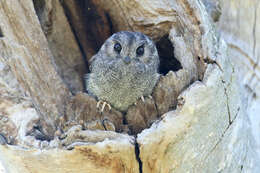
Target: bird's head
(131, 48)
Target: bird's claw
(103, 105)
(142, 98)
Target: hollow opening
(91, 26)
(98, 28)
(168, 62)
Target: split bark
(199, 122)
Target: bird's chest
(123, 81)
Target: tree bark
(199, 117)
(25, 50)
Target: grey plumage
(121, 76)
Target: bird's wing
(86, 79)
(92, 59)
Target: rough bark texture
(239, 25)
(25, 50)
(199, 113)
(117, 155)
(194, 137)
(82, 108)
(90, 24)
(67, 55)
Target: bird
(124, 70)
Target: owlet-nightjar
(124, 69)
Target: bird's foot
(142, 98)
(104, 104)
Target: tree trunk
(198, 119)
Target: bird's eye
(117, 47)
(140, 50)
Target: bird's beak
(127, 59)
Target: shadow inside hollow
(166, 53)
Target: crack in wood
(228, 109)
(1, 33)
(229, 117)
(223, 134)
(211, 61)
(137, 154)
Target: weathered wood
(239, 25)
(117, 155)
(207, 132)
(25, 49)
(90, 24)
(67, 55)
